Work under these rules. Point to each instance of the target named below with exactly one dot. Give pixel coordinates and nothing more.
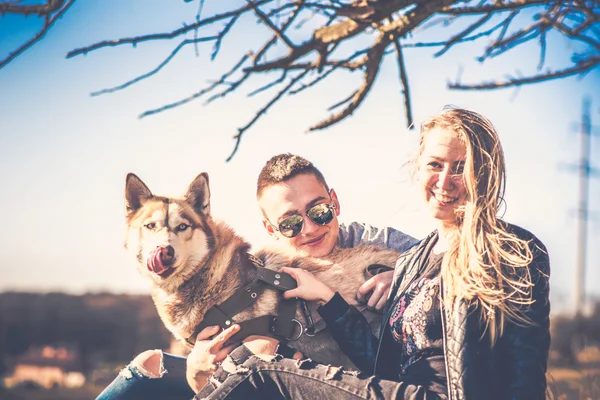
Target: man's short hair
(285, 166)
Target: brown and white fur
(195, 262)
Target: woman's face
(440, 174)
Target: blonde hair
(485, 263)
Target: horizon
(65, 153)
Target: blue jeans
(134, 383)
(284, 378)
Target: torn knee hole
(232, 368)
(241, 369)
(150, 363)
(333, 372)
(304, 363)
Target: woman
(468, 314)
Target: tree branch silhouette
(50, 11)
(356, 36)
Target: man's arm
(351, 331)
(375, 291)
(347, 325)
(357, 233)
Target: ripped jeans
(284, 378)
(134, 382)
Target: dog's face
(168, 237)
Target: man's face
(296, 196)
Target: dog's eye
(150, 225)
(182, 227)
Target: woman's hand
(207, 353)
(379, 289)
(309, 288)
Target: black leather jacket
(515, 368)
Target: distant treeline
(102, 328)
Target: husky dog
(195, 262)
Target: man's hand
(309, 288)
(380, 285)
(207, 353)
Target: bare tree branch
(200, 93)
(502, 24)
(221, 35)
(371, 61)
(459, 37)
(582, 67)
(279, 34)
(377, 27)
(242, 130)
(163, 36)
(51, 12)
(155, 70)
(46, 9)
(542, 50)
(405, 89)
(269, 85)
(495, 7)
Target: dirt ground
(577, 383)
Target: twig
(405, 89)
(372, 62)
(542, 50)
(455, 39)
(262, 111)
(48, 22)
(269, 85)
(221, 35)
(198, 94)
(581, 67)
(497, 6)
(161, 36)
(270, 24)
(49, 7)
(155, 70)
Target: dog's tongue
(155, 263)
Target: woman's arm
(525, 346)
(347, 325)
(351, 331)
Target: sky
(64, 154)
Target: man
(300, 210)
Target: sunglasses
(321, 214)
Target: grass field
(564, 383)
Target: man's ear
(335, 201)
(198, 194)
(136, 193)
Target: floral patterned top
(415, 321)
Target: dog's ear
(198, 194)
(136, 193)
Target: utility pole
(585, 171)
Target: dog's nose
(167, 255)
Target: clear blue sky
(64, 155)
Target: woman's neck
(445, 233)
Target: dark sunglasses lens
(291, 226)
(321, 214)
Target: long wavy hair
(484, 263)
